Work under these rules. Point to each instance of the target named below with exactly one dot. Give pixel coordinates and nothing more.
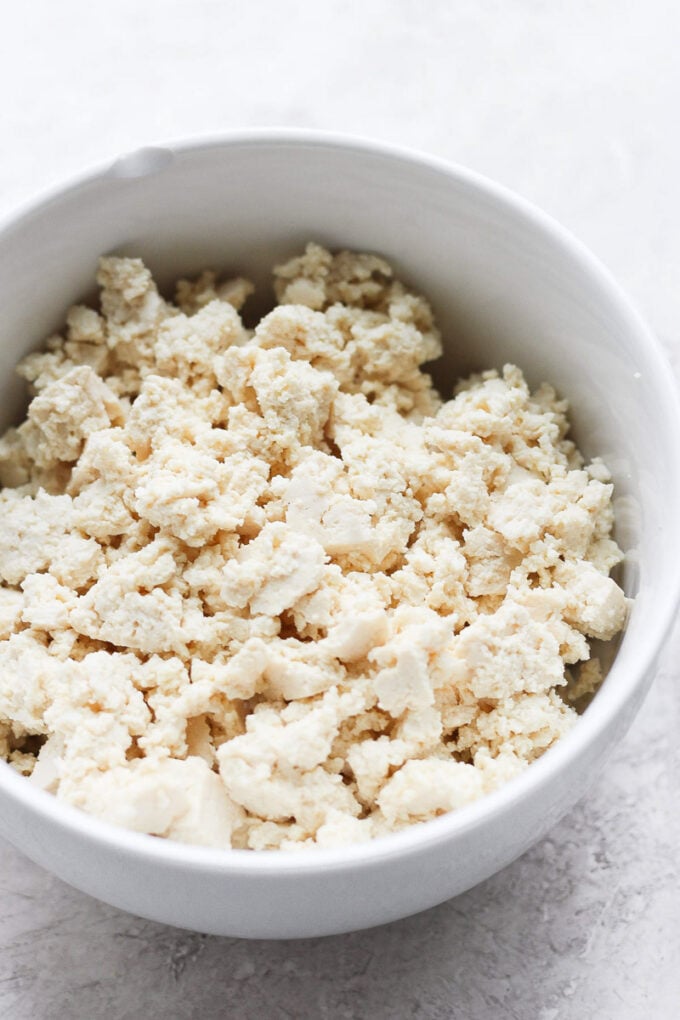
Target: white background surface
(576, 107)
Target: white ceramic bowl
(507, 284)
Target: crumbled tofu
(65, 413)
(180, 799)
(273, 571)
(269, 590)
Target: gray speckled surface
(575, 106)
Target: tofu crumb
(268, 589)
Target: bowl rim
(626, 678)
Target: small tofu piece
(65, 413)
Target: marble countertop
(575, 107)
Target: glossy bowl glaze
(507, 284)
